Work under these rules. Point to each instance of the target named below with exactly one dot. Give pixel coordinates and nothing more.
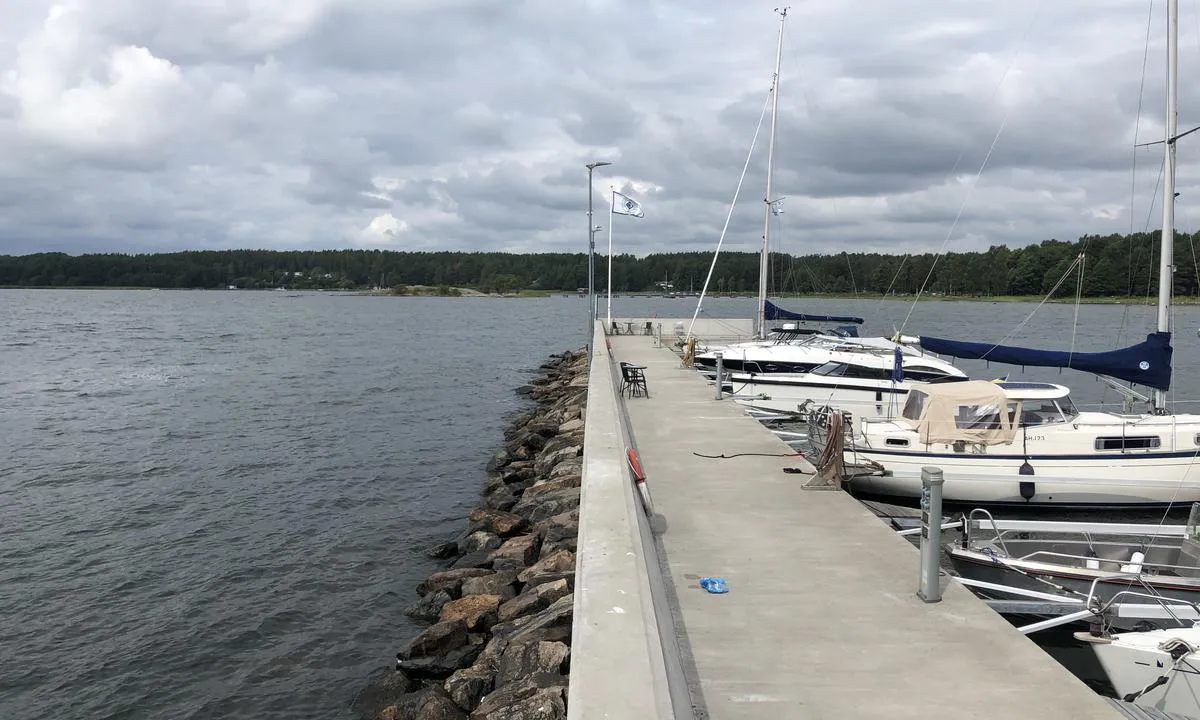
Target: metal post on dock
(930, 588)
(720, 373)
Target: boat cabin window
(920, 372)
(983, 417)
(1067, 407)
(832, 369)
(970, 417)
(914, 405)
(867, 373)
(1041, 412)
(1130, 442)
(850, 370)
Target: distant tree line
(1113, 265)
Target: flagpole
(612, 200)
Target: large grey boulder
(384, 688)
(522, 660)
(467, 687)
(431, 703)
(553, 623)
(498, 583)
(429, 607)
(448, 580)
(541, 697)
(546, 505)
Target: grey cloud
(301, 123)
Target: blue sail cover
(771, 311)
(1147, 363)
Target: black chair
(633, 381)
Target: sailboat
(1025, 443)
(803, 362)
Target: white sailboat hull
(1067, 468)
(1097, 486)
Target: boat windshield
(830, 368)
(1047, 412)
(1067, 407)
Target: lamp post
(591, 325)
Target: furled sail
(771, 311)
(1147, 363)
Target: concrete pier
(821, 620)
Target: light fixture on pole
(591, 325)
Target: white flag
(623, 205)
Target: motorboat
(863, 382)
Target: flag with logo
(625, 205)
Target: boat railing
(1095, 607)
(1036, 555)
(1165, 602)
(972, 520)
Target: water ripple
(215, 502)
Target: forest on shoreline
(1114, 266)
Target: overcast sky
(148, 125)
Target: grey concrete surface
(822, 619)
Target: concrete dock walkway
(821, 619)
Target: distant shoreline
(430, 291)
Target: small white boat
(1157, 669)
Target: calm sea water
(214, 503)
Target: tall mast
(1166, 263)
(769, 200)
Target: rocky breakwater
(498, 643)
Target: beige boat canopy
(974, 411)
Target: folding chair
(633, 380)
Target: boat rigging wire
(970, 189)
(1045, 299)
(729, 215)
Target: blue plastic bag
(714, 585)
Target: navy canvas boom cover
(771, 311)
(1147, 363)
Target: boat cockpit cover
(974, 411)
(1147, 363)
(771, 311)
